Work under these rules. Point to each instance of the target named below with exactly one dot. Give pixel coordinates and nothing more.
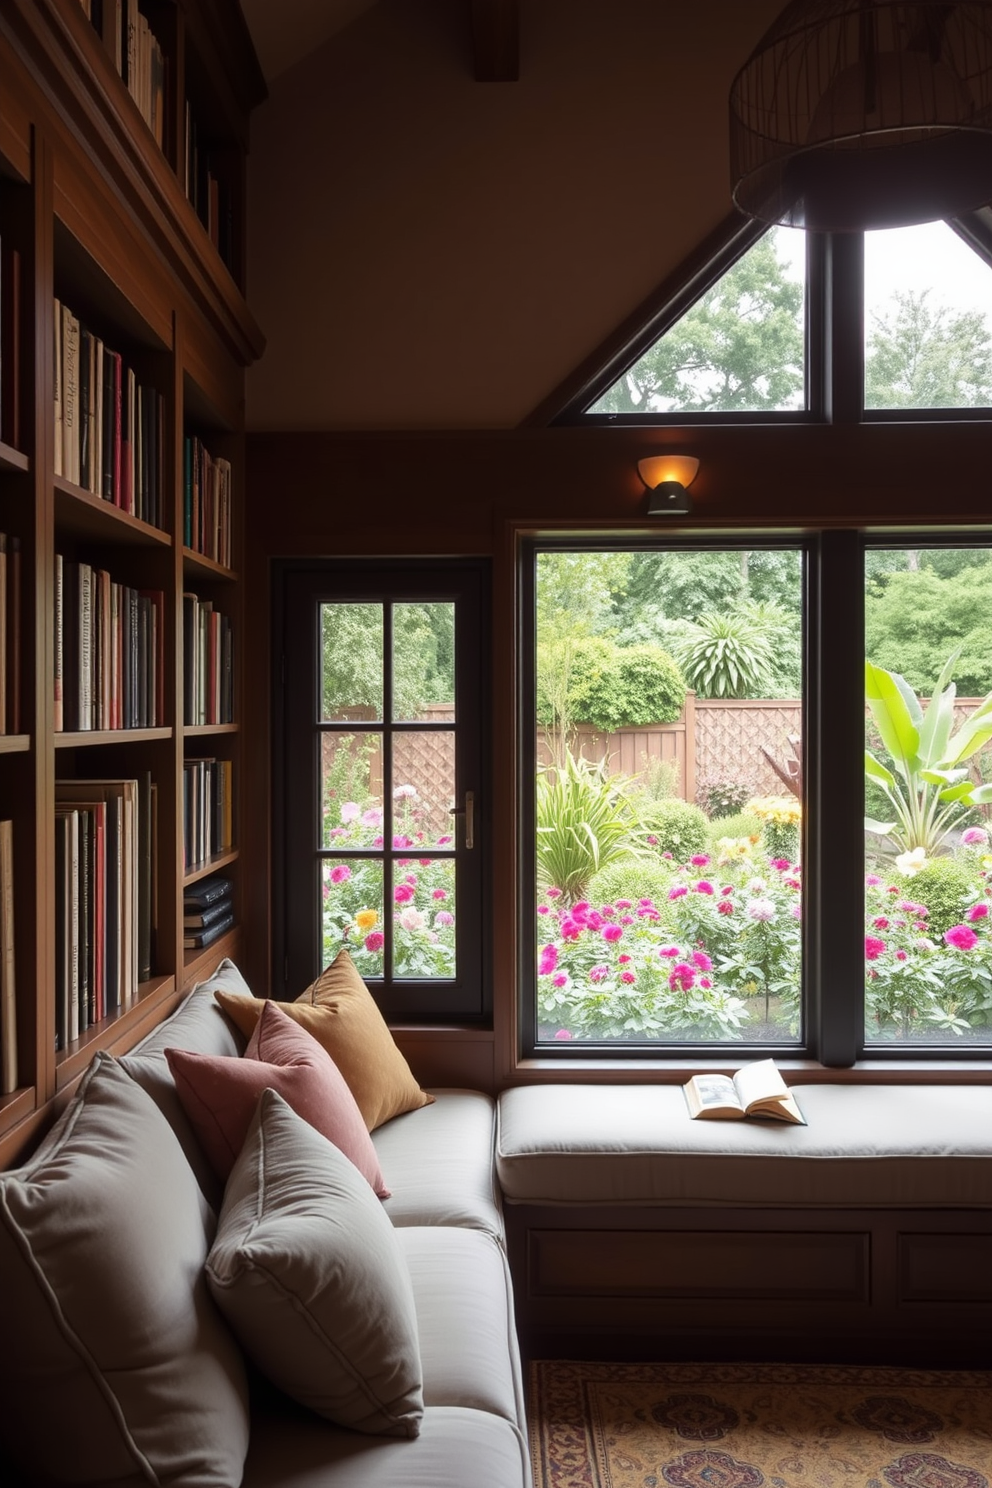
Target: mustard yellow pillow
(341, 1013)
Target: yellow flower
(366, 918)
(784, 812)
(731, 848)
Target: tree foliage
(922, 355)
(607, 685)
(739, 348)
(914, 617)
(352, 658)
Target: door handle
(468, 813)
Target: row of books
(109, 428)
(105, 912)
(10, 634)
(10, 344)
(206, 502)
(8, 998)
(208, 912)
(208, 810)
(208, 663)
(138, 57)
(109, 651)
(208, 189)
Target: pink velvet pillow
(220, 1093)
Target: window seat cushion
(865, 1146)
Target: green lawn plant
(586, 819)
(927, 788)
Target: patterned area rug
(605, 1425)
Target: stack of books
(208, 911)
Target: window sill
(796, 1071)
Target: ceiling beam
(495, 40)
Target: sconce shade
(667, 478)
(852, 115)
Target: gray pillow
(115, 1367)
(308, 1272)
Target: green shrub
(610, 686)
(723, 797)
(585, 820)
(946, 887)
(679, 827)
(629, 878)
(741, 824)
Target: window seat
(865, 1235)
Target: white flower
(910, 863)
(761, 909)
(405, 790)
(413, 919)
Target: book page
(759, 1081)
(710, 1094)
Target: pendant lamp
(859, 114)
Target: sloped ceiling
(286, 31)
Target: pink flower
(624, 904)
(900, 955)
(548, 960)
(439, 894)
(552, 893)
(780, 863)
(599, 973)
(880, 923)
(873, 947)
(704, 887)
(350, 811)
(872, 880)
(413, 919)
(443, 842)
(648, 914)
(570, 929)
(792, 883)
(612, 932)
(725, 907)
(339, 831)
(681, 977)
(375, 941)
(761, 909)
(444, 918)
(372, 817)
(594, 920)
(727, 889)
(699, 860)
(646, 903)
(977, 911)
(626, 919)
(403, 893)
(402, 841)
(425, 862)
(628, 978)
(667, 855)
(340, 873)
(411, 878)
(668, 950)
(677, 891)
(623, 958)
(562, 1034)
(705, 982)
(652, 839)
(376, 841)
(972, 836)
(561, 980)
(541, 908)
(701, 960)
(961, 937)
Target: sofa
(284, 1327)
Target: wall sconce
(668, 478)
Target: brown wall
(426, 251)
(472, 493)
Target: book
(207, 891)
(202, 919)
(8, 1001)
(755, 1090)
(198, 940)
(10, 345)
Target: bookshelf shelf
(131, 333)
(12, 459)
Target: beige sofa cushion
(341, 1013)
(307, 1270)
(104, 1308)
(439, 1162)
(864, 1146)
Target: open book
(756, 1090)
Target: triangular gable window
(739, 349)
(781, 333)
(928, 320)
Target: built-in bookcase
(123, 338)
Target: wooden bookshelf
(94, 208)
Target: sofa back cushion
(308, 1271)
(116, 1368)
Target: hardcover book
(756, 1090)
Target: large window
(760, 804)
(383, 799)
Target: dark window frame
(299, 585)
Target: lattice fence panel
(729, 739)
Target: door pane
(424, 663)
(352, 915)
(423, 789)
(350, 662)
(424, 918)
(351, 790)
(928, 764)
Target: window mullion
(835, 792)
(842, 259)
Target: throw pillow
(341, 1013)
(308, 1272)
(116, 1368)
(219, 1094)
